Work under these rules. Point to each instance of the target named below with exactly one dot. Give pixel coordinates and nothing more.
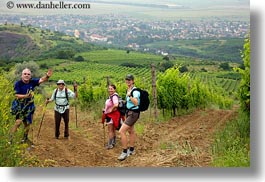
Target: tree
(225, 66)
(33, 66)
(164, 65)
(244, 88)
(203, 70)
(79, 59)
(183, 69)
(166, 58)
(44, 66)
(65, 54)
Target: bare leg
(132, 136)
(16, 126)
(124, 128)
(110, 129)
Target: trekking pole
(104, 135)
(32, 136)
(75, 90)
(45, 107)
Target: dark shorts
(26, 116)
(132, 117)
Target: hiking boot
(129, 152)
(10, 142)
(66, 135)
(24, 139)
(122, 156)
(30, 142)
(109, 146)
(114, 141)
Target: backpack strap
(137, 110)
(113, 96)
(66, 96)
(55, 94)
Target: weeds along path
(183, 141)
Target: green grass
(117, 57)
(139, 128)
(232, 145)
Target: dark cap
(129, 77)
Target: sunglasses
(60, 84)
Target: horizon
(147, 9)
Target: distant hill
(23, 43)
(15, 47)
(20, 43)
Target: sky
(188, 9)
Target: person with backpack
(112, 115)
(61, 97)
(23, 106)
(132, 115)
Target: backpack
(121, 106)
(144, 99)
(66, 95)
(15, 107)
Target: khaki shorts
(132, 117)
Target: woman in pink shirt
(112, 115)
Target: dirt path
(182, 141)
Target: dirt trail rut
(183, 141)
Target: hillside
(24, 43)
(15, 46)
(20, 43)
(226, 49)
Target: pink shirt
(110, 103)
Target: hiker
(132, 115)
(111, 115)
(24, 93)
(60, 96)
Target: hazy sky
(192, 8)
(194, 3)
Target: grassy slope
(120, 56)
(47, 43)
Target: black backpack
(144, 99)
